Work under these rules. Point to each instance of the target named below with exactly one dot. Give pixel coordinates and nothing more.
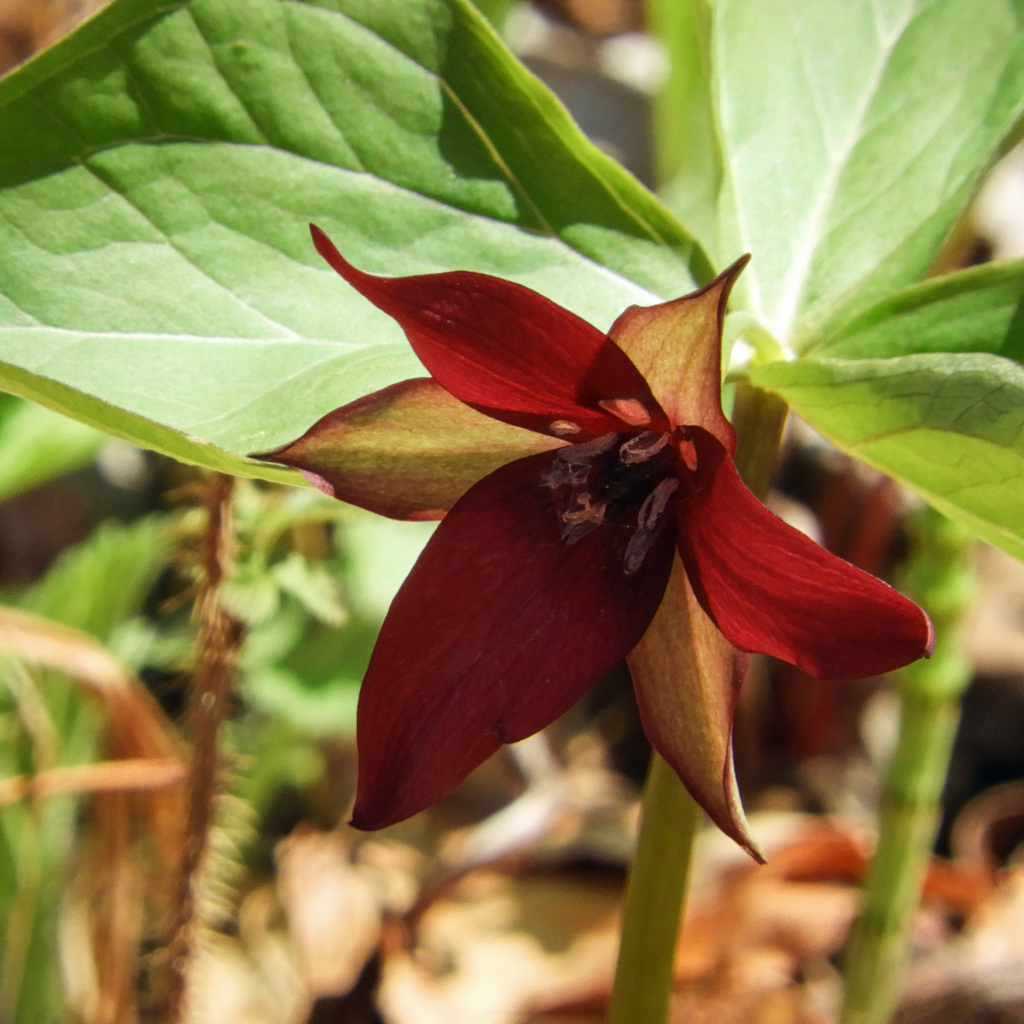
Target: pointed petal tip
(735, 824)
(323, 244)
(272, 454)
(320, 238)
(365, 821)
(329, 251)
(726, 280)
(751, 846)
(279, 456)
(930, 641)
(737, 267)
(386, 799)
(740, 833)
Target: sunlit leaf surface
(161, 165)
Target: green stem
(686, 151)
(941, 579)
(660, 872)
(759, 419)
(655, 898)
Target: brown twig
(219, 640)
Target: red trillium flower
(592, 512)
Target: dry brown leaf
(135, 802)
(979, 971)
(333, 912)
(498, 944)
(135, 727)
(131, 775)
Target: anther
(586, 511)
(572, 464)
(587, 451)
(642, 447)
(654, 504)
(564, 428)
(586, 517)
(629, 410)
(649, 521)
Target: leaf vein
(799, 270)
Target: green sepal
(409, 451)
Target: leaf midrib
(798, 273)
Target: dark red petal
(770, 588)
(498, 630)
(508, 351)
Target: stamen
(649, 522)
(629, 410)
(642, 447)
(587, 510)
(587, 451)
(573, 532)
(654, 504)
(688, 453)
(573, 463)
(584, 519)
(564, 428)
(562, 473)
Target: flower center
(621, 480)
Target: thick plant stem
(655, 898)
(687, 154)
(940, 578)
(659, 875)
(759, 419)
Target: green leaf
(160, 167)
(306, 673)
(250, 594)
(104, 581)
(495, 11)
(38, 445)
(975, 310)
(379, 555)
(949, 426)
(856, 130)
(687, 155)
(313, 586)
(33, 884)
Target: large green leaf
(855, 131)
(975, 310)
(160, 166)
(949, 426)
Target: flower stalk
(658, 883)
(656, 891)
(941, 578)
